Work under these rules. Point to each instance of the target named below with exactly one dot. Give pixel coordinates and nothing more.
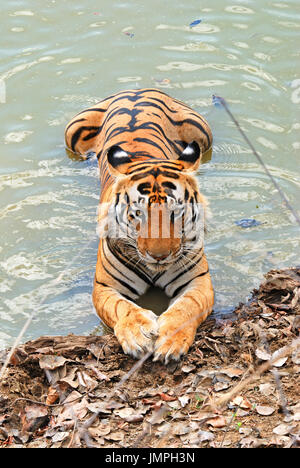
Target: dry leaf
(118, 435)
(180, 429)
(69, 379)
(281, 441)
(188, 368)
(219, 386)
(282, 429)
(158, 415)
(279, 362)
(17, 357)
(184, 400)
(129, 414)
(163, 429)
(205, 435)
(99, 431)
(50, 362)
(60, 436)
(241, 402)
(265, 410)
(99, 407)
(76, 409)
(218, 421)
(190, 439)
(251, 442)
(262, 354)
(296, 356)
(166, 397)
(100, 376)
(86, 381)
(124, 412)
(52, 396)
(267, 389)
(147, 401)
(34, 417)
(232, 372)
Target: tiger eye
(138, 212)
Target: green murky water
(57, 57)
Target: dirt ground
(231, 390)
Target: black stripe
(175, 122)
(164, 104)
(169, 185)
(177, 291)
(92, 134)
(109, 262)
(144, 188)
(102, 284)
(72, 123)
(77, 134)
(134, 96)
(185, 270)
(107, 286)
(130, 267)
(96, 109)
(171, 168)
(159, 129)
(141, 166)
(152, 143)
(155, 172)
(123, 283)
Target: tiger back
(148, 146)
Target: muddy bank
(79, 391)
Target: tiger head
(157, 208)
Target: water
(57, 57)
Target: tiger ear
(118, 160)
(191, 157)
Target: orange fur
(146, 143)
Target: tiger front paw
(137, 332)
(174, 340)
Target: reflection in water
(58, 61)
(154, 299)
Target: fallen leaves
(166, 397)
(241, 402)
(51, 362)
(129, 415)
(77, 381)
(217, 421)
(276, 356)
(33, 418)
(265, 410)
(52, 396)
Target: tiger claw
(170, 355)
(173, 341)
(136, 333)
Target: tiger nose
(158, 256)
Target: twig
(55, 405)
(259, 158)
(274, 372)
(286, 351)
(235, 412)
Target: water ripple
(244, 51)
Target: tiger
(149, 146)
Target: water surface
(57, 57)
